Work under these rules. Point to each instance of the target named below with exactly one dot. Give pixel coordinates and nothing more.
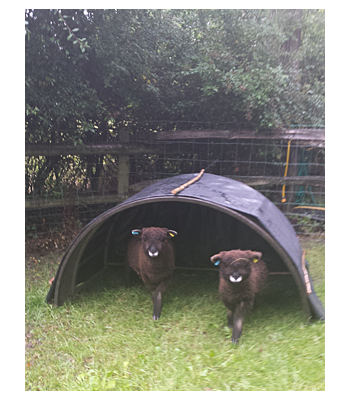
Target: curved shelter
(211, 215)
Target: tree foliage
(88, 72)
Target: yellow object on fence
(285, 174)
(312, 208)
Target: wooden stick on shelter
(185, 185)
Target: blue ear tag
(217, 262)
(135, 232)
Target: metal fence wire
(64, 192)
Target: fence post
(123, 165)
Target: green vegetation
(105, 339)
(90, 72)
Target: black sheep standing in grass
(150, 253)
(242, 275)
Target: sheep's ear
(256, 257)
(215, 259)
(172, 233)
(136, 232)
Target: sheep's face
(153, 239)
(236, 265)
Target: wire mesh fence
(64, 192)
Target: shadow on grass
(280, 297)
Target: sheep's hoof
(155, 318)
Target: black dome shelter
(211, 215)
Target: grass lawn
(106, 339)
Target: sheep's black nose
(153, 251)
(236, 275)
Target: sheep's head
(236, 265)
(153, 239)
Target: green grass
(105, 339)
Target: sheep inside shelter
(211, 215)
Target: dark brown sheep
(242, 275)
(150, 253)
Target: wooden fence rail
(123, 149)
(310, 137)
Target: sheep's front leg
(157, 297)
(157, 303)
(238, 317)
(229, 318)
